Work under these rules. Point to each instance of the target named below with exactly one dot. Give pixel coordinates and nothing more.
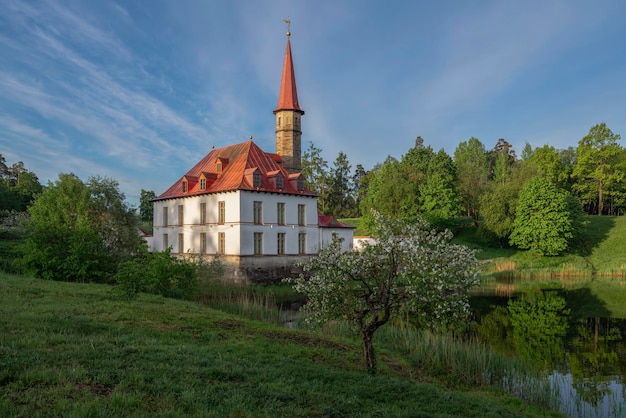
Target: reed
(459, 361)
(247, 301)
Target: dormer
(296, 180)
(276, 178)
(188, 183)
(220, 164)
(206, 180)
(253, 177)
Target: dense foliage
(80, 231)
(545, 222)
(409, 268)
(482, 184)
(160, 273)
(18, 187)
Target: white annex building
(248, 206)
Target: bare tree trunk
(368, 347)
(600, 198)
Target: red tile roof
(239, 162)
(288, 96)
(329, 221)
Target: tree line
(511, 199)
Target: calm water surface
(577, 335)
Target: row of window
(221, 216)
(256, 181)
(221, 243)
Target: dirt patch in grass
(97, 389)
(302, 339)
(229, 324)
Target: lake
(574, 329)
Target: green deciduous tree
(146, 208)
(409, 268)
(497, 208)
(547, 163)
(597, 169)
(546, 218)
(472, 167)
(315, 172)
(80, 231)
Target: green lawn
(79, 350)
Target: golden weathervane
(288, 22)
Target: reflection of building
(249, 206)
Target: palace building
(247, 206)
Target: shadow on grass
(596, 232)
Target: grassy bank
(79, 350)
(600, 252)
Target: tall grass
(458, 361)
(249, 302)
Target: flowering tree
(409, 268)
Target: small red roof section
(244, 160)
(288, 96)
(329, 221)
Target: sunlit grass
(71, 349)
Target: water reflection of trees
(532, 327)
(596, 357)
(540, 321)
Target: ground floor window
(221, 242)
(258, 243)
(281, 243)
(301, 243)
(202, 243)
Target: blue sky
(141, 90)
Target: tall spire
(288, 96)
(288, 115)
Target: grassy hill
(80, 350)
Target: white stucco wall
(326, 236)
(239, 227)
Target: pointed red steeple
(288, 97)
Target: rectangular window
(281, 243)
(256, 179)
(258, 212)
(202, 243)
(279, 181)
(203, 184)
(181, 214)
(280, 208)
(165, 243)
(165, 223)
(258, 243)
(301, 243)
(202, 213)
(301, 215)
(181, 243)
(185, 187)
(221, 217)
(221, 242)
